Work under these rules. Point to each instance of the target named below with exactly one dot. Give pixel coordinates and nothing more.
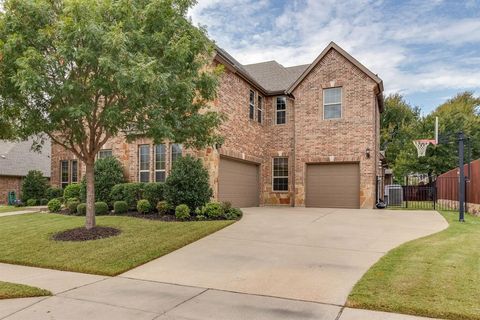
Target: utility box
(393, 195)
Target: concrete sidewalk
(26, 210)
(129, 299)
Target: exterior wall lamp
(367, 153)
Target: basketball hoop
(422, 145)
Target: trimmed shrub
(201, 217)
(182, 212)
(53, 192)
(120, 207)
(43, 201)
(188, 183)
(213, 210)
(31, 202)
(82, 209)
(233, 214)
(72, 204)
(163, 207)
(143, 206)
(129, 192)
(72, 191)
(226, 205)
(108, 172)
(153, 192)
(34, 185)
(101, 208)
(54, 205)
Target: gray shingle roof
(17, 158)
(273, 76)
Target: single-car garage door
(238, 183)
(333, 185)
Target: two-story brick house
(306, 135)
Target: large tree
(83, 71)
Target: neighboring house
(16, 159)
(306, 135)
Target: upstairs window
(176, 152)
(160, 162)
(104, 153)
(280, 174)
(144, 163)
(251, 110)
(281, 111)
(260, 109)
(332, 103)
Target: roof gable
(17, 158)
(346, 55)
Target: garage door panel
(333, 185)
(238, 183)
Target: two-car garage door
(333, 185)
(238, 183)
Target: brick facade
(305, 137)
(8, 184)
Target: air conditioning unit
(393, 195)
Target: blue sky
(426, 50)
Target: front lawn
(26, 240)
(12, 290)
(436, 276)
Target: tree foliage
(34, 186)
(401, 124)
(83, 71)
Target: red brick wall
(7, 184)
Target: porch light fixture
(367, 153)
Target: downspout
(294, 153)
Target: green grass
(12, 290)
(26, 240)
(436, 276)
(4, 209)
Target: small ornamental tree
(188, 183)
(83, 71)
(34, 185)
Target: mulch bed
(83, 234)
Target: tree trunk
(90, 219)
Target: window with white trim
(176, 152)
(160, 162)
(251, 110)
(144, 163)
(281, 110)
(64, 178)
(260, 109)
(74, 171)
(104, 153)
(280, 174)
(332, 103)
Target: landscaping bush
(72, 204)
(182, 212)
(201, 217)
(233, 214)
(34, 185)
(143, 206)
(226, 205)
(153, 192)
(108, 173)
(163, 207)
(213, 210)
(188, 183)
(31, 202)
(53, 192)
(101, 208)
(72, 191)
(43, 201)
(82, 209)
(54, 205)
(120, 207)
(129, 192)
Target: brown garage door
(238, 183)
(333, 185)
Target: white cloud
(410, 46)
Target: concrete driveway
(307, 254)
